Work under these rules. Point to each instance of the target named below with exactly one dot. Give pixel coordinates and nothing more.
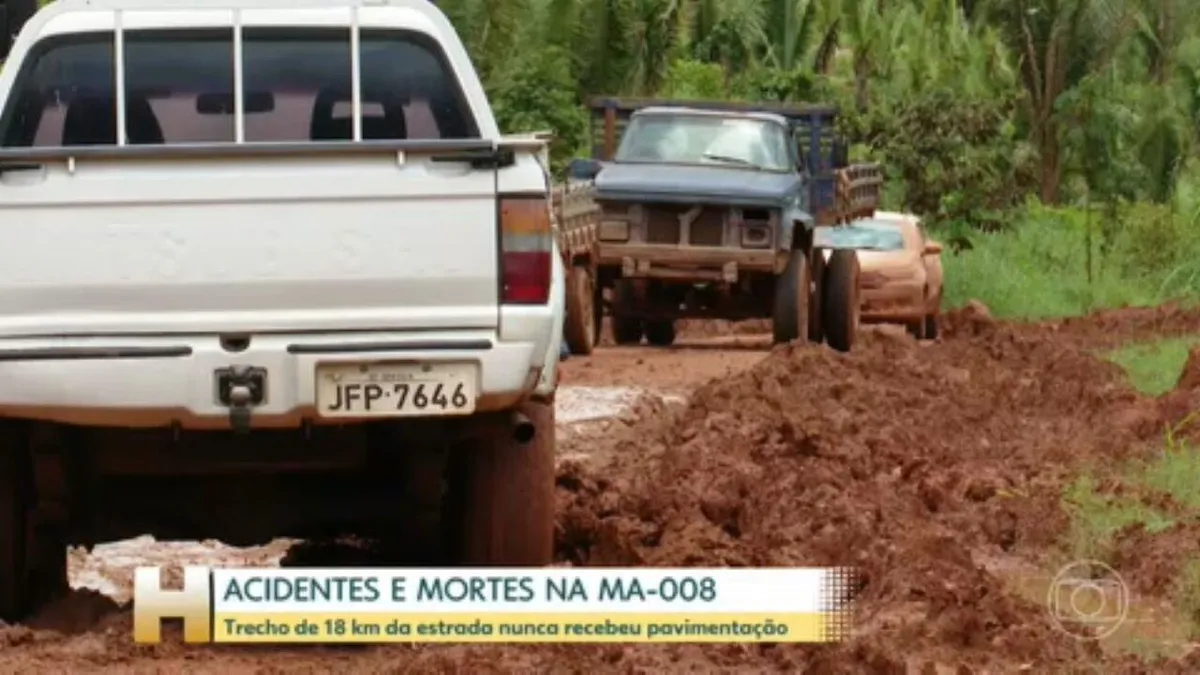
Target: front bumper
(688, 263)
(156, 381)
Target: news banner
(544, 605)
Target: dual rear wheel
(629, 330)
(817, 300)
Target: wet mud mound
(909, 463)
(1097, 331)
(1154, 562)
(1180, 407)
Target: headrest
(326, 127)
(93, 121)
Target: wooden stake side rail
(859, 187)
(577, 216)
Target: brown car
(901, 277)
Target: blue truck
(709, 209)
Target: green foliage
(1067, 261)
(692, 79)
(959, 159)
(533, 93)
(1154, 367)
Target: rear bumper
(691, 263)
(160, 380)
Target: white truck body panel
(165, 249)
(260, 245)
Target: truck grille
(708, 229)
(662, 226)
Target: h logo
(151, 604)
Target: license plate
(395, 389)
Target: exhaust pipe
(523, 429)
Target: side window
(800, 147)
(179, 88)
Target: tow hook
(240, 388)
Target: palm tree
(1059, 43)
(865, 27)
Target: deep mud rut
(933, 468)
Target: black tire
(501, 497)
(580, 329)
(626, 330)
(660, 333)
(789, 317)
(816, 332)
(840, 300)
(597, 313)
(930, 327)
(33, 557)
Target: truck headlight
(756, 235)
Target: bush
(535, 92)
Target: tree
(1059, 42)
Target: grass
(1157, 626)
(1153, 368)
(1098, 516)
(1067, 261)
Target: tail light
(526, 247)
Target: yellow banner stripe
(378, 627)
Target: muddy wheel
(626, 330)
(916, 329)
(660, 333)
(816, 332)
(790, 315)
(500, 501)
(33, 557)
(580, 330)
(840, 308)
(930, 326)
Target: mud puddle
(590, 404)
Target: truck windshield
(180, 88)
(705, 140)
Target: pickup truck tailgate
(363, 240)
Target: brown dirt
(917, 464)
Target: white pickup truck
(268, 268)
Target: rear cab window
(180, 88)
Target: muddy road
(937, 469)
